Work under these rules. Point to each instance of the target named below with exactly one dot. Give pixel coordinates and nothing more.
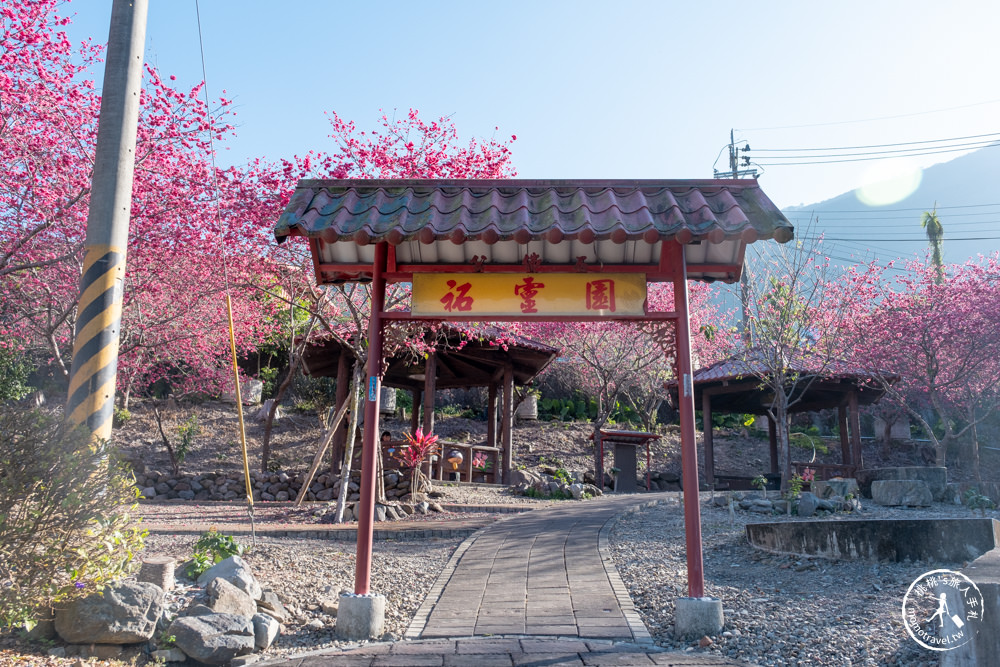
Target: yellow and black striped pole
(95, 348)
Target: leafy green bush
(66, 526)
(212, 547)
(14, 373)
(977, 501)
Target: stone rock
(896, 492)
(780, 506)
(576, 490)
(43, 630)
(523, 477)
(808, 504)
(265, 630)
(836, 487)
(330, 606)
(270, 604)
(936, 479)
(215, 639)
(225, 598)
(380, 512)
(149, 492)
(57, 652)
(169, 655)
(435, 507)
(422, 508)
(592, 490)
(234, 570)
(197, 609)
(125, 614)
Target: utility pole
(734, 172)
(95, 349)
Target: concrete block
(697, 617)
(836, 487)
(901, 493)
(935, 478)
(361, 617)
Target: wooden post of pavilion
(772, 444)
(339, 438)
(415, 414)
(846, 455)
(370, 441)
(430, 386)
(689, 449)
(855, 418)
(491, 414)
(508, 421)
(706, 429)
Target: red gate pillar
(370, 444)
(689, 450)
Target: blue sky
(596, 89)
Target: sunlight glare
(888, 182)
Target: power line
(894, 210)
(899, 240)
(817, 160)
(853, 148)
(866, 120)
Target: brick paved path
(542, 586)
(542, 573)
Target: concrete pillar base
(696, 617)
(361, 617)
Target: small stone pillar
(361, 616)
(158, 570)
(697, 617)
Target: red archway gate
(510, 250)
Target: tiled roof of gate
(367, 211)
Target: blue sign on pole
(372, 387)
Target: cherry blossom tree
(186, 213)
(940, 331)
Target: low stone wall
(267, 486)
(939, 540)
(984, 647)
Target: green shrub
(14, 373)
(977, 501)
(211, 548)
(66, 522)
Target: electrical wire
(225, 271)
(853, 148)
(809, 160)
(867, 120)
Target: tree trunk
(265, 453)
(345, 470)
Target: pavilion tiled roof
(368, 211)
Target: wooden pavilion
(736, 385)
(493, 358)
(514, 250)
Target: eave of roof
(603, 221)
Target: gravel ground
(305, 572)
(779, 610)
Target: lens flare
(887, 183)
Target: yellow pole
(239, 411)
